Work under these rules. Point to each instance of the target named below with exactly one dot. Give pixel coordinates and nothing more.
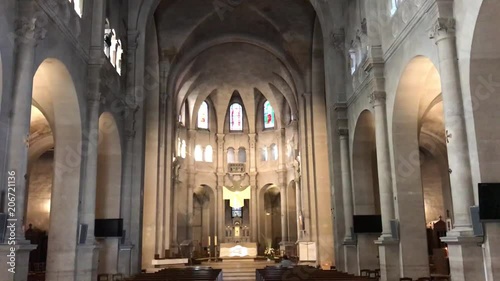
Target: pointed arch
(203, 117)
(268, 115)
(236, 117)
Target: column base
(388, 249)
(350, 256)
(15, 264)
(466, 256)
(87, 260)
(124, 259)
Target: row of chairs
(436, 278)
(307, 273)
(181, 274)
(109, 277)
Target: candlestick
(215, 240)
(208, 240)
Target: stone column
(465, 254)
(350, 251)
(220, 223)
(87, 253)
(26, 40)
(160, 184)
(124, 257)
(253, 186)
(388, 247)
(284, 232)
(191, 181)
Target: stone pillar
(220, 183)
(253, 185)
(388, 247)
(161, 180)
(284, 232)
(124, 256)
(466, 257)
(87, 253)
(191, 181)
(26, 40)
(350, 251)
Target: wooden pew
(181, 274)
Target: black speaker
(477, 225)
(367, 224)
(3, 227)
(489, 201)
(82, 233)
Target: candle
(208, 240)
(215, 240)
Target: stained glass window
(236, 117)
(268, 115)
(203, 116)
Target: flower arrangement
(269, 253)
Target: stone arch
(418, 112)
(55, 95)
(108, 186)
(484, 84)
(365, 188)
(269, 216)
(203, 216)
(364, 167)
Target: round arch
(364, 167)
(55, 95)
(416, 113)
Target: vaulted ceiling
(225, 45)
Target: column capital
(443, 28)
(343, 132)
(95, 98)
(220, 138)
(337, 39)
(31, 30)
(377, 98)
(132, 39)
(340, 106)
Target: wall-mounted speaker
(82, 233)
(395, 229)
(477, 225)
(3, 227)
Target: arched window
(274, 151)
(183, 149)
(230, 155)
(114, 48)
(203, 116)
(108, 34)
(264, 154)
(236, 117)
(198, 153)
(242, 155)
(268, 115)
(209, 153)
(119, 54)
(78, 6)
(395, 5)
(179, 144)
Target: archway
(203, 221)
(484, 80)
(55, 96)
(270, 217)
(108, 187)
(366, 196)
(422, 181)
(41, 173)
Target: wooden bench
(181, 274)
(303, 273)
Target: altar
(238, 251)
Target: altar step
(239, 270)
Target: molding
(417, 18)
(48, 7)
